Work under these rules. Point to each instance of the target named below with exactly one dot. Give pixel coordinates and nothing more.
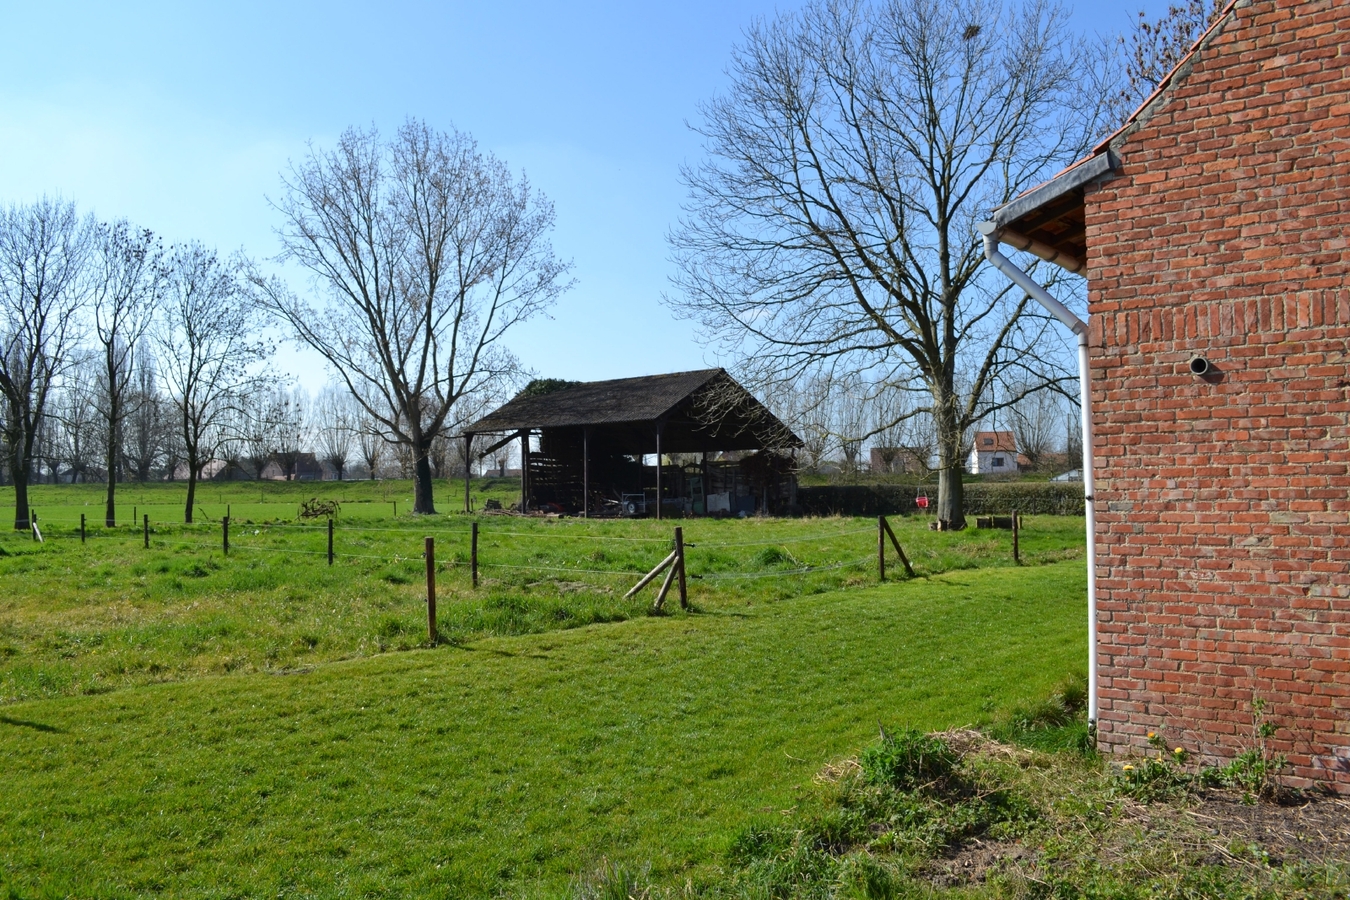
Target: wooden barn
(714, 448)
(1216, 362)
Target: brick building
(1213, 233)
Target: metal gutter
(993, 236)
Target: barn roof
(703, 409)
(1053, 213)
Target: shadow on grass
(36, 726)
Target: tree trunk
(192, 491)
(110, 505)
(951, 505)
(422, 499)
(20, 473)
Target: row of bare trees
(839, 419)
(422, 252)
(105, 330)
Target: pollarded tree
(832, 224)
(43, 249)
(147, 429)
(335, 424)
(425, 252)
(207, 346)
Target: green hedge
(996, 498)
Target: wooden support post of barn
(468, 470)
(658, 470)
(586, 473)
(525, 471)
(430, 553)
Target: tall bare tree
(1036, 422)
(207, 347)
(43, 249)
(126, 277)
(426, 252)
(335, 425)
(147, 430)
(75, 413)
(832, 224)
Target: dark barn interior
(722, 451)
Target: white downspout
(992, 237)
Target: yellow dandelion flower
(1152, 735)
(1129, 768)
(1179, 750)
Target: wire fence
(715, 560)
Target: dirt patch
(973, 861)
(1311, 827)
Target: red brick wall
(1224, 504)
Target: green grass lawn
(107, 614)
(501, 766)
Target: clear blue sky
(180, 117)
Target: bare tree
(75, 413)
(43, 248)
(126, 277)
(292, 431)
(207, 345)
(1152, 49)
(426, 252)
(146, 430)
(371, 445)
(832, 226)
(1036, 421)
(335, 425)
(849, 407)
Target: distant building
(994, 453)
(903, 460)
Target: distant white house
(994, 453)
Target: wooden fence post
(431, 589)
(899, 551)
(473, 552)
(1017, 557)
(330, 540)
(225, 534)
(33, 525)
(679, 548)
(147, 531)
(881, 548)
(81, 528)
(134, 514)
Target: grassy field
(177, 721)
(507, 766)
(88, 618)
